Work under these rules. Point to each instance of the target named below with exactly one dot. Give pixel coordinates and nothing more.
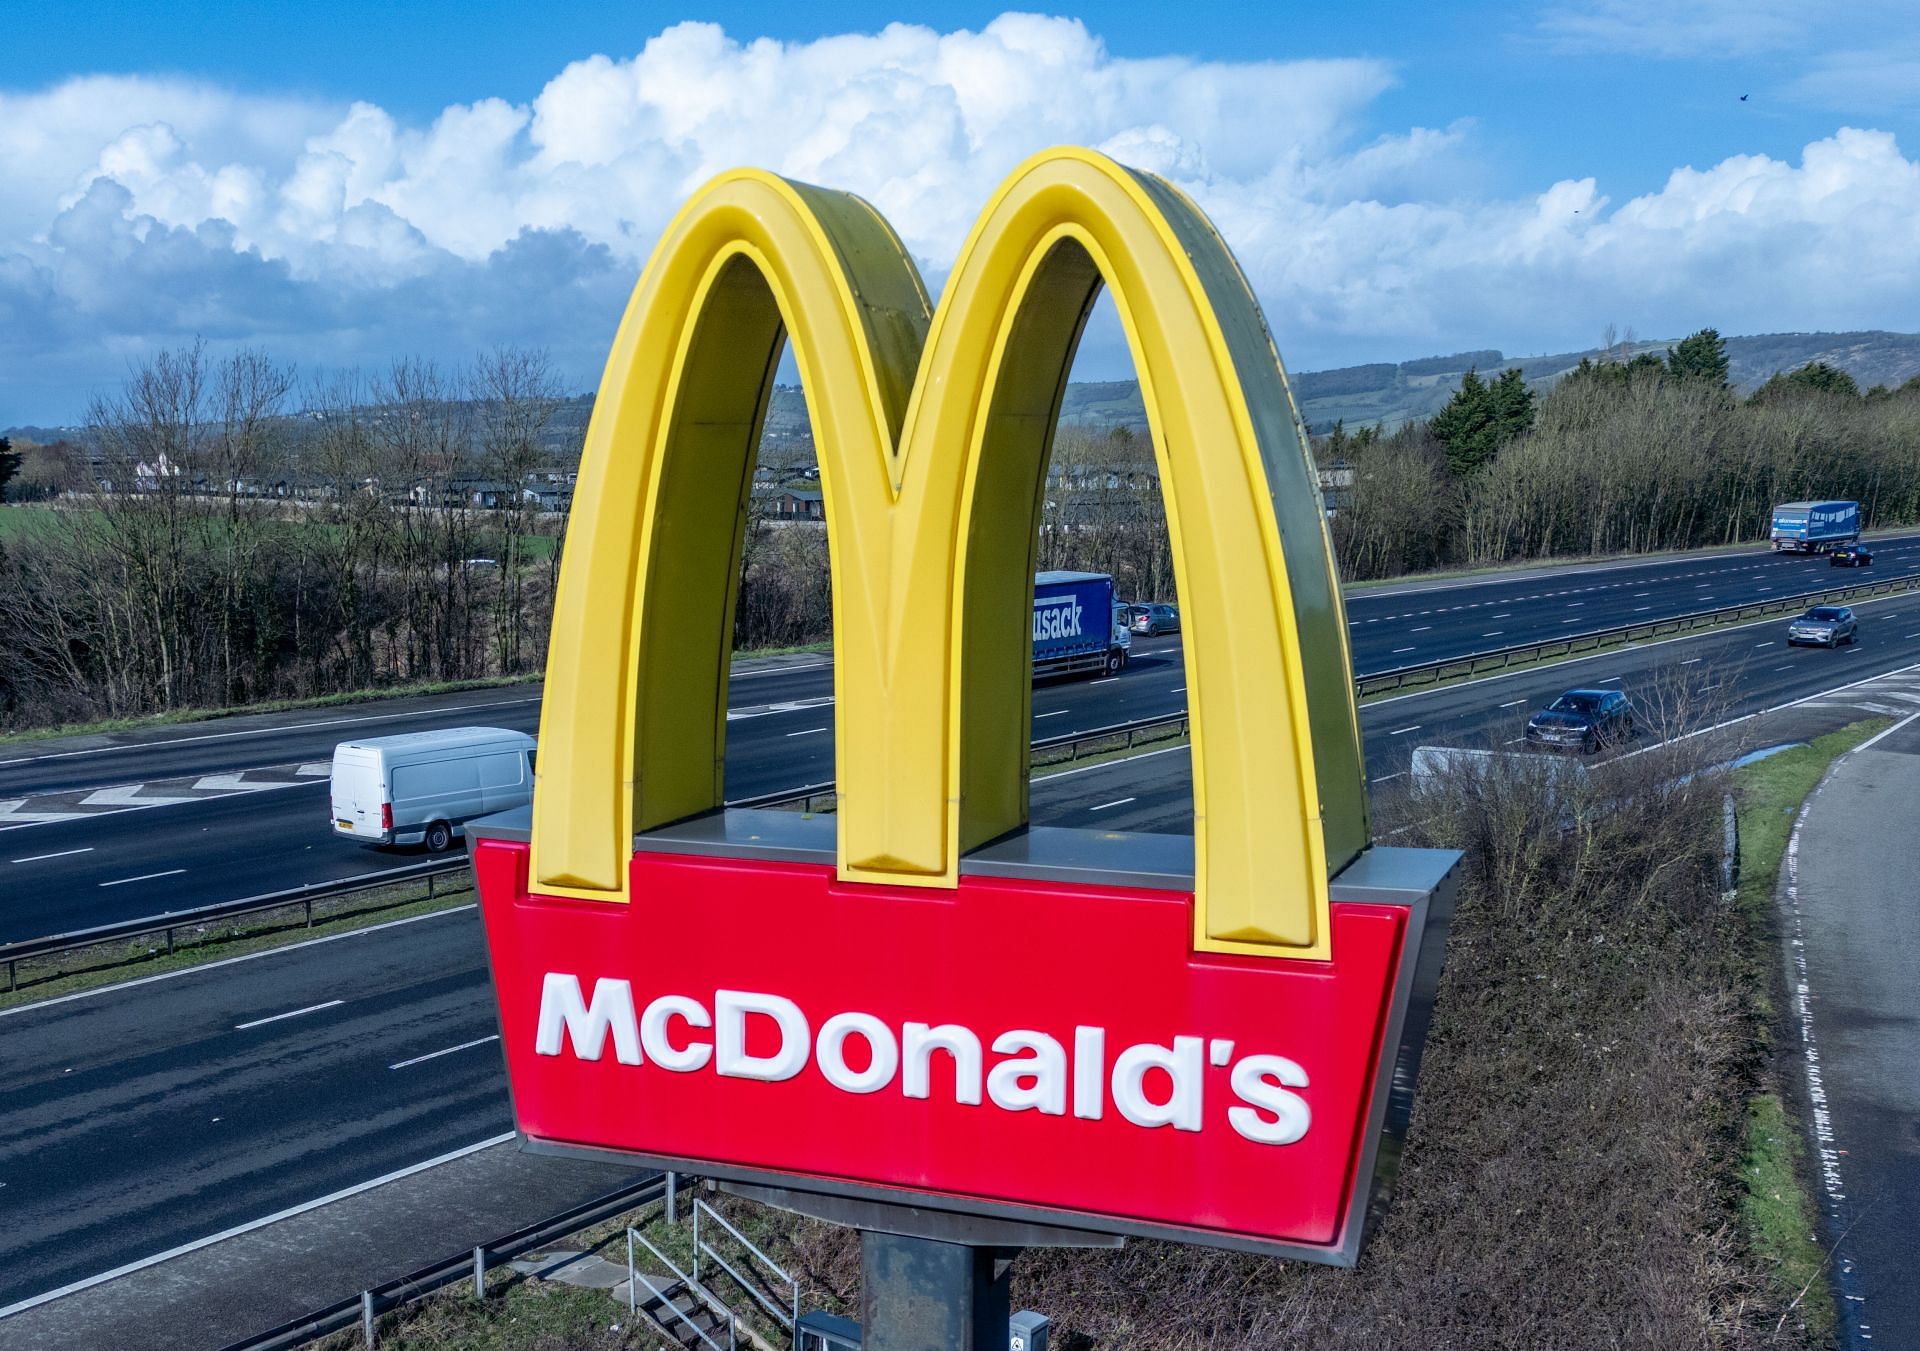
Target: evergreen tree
(1481, 418)
(1703, 356)
(9, 465)
(1816, 377)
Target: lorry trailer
(1814, 527)
(1077, 626)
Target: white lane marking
(1787, 667)
(1384, 777)
(292, 1013)
(260, 1223)
(435, 1055)
(10, 812)
(1057, 713)
(64, 853)
(1495, 634)
(1398, 650)
(143, 877)
(316, 769)
(1104, 680)
(1063, 773)
(1641, 609)
(1178, 689)
(1765, 644)
(180, 971)
(807, 732)
(1641, 595)
(1404, 730)
(1690, 661)
(1575, 604)
(1606, 679)
(1510, 740)
(1507, 615)
(128, 795)
(1422, 629)
(226, 783)
(1117, 802)
(1514, 704)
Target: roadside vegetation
(1619, 457)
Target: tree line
(1656, 452)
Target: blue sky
(348, 183)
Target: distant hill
(1383, 392)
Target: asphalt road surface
(1854, 945)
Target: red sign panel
(1055, 1050)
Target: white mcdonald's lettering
(1150, 1084)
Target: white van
(422, 787)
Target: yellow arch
(931, 506)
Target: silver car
(1826, 625)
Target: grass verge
(1777, 1208)
(111, 963)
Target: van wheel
(439, 837)
(1115, 660)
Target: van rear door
(356, 791)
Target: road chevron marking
(77, 803)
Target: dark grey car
(1824, 626)
(1582, 720)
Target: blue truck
(1077, 627)
(1814, 527)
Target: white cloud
(1692, 29)
(149, 210)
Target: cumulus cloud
(145, 211)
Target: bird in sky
(1743, 98)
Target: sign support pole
(922, 1294)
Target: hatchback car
(1152, 620)
(1582, 720)
(1825, 626)
(1850, 556)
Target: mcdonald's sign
(918, 998)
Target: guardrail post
(10, 985)
(430, 877)
(479, 1273)
(309, 905)
(673, 1199)
(366, 1316)
(169, 942)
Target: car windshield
(1575, 703)
(1823, 614)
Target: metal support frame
(920, 1294)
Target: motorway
(145, 1115)
(96, 865)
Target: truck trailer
(1814, 527)
(1077, 628)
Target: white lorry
(421, 788)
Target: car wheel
(439, 837)
(1590, 744)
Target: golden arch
(933, 436)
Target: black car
(1583, 720)
(1849, 556)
